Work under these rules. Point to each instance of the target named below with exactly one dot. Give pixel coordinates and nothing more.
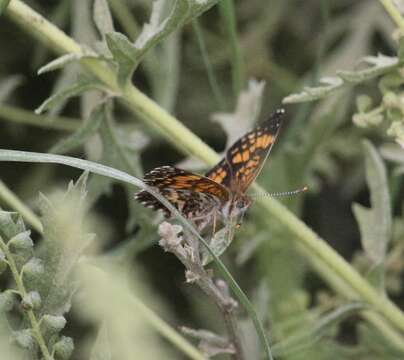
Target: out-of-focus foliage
(77, 293)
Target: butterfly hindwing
(193, 195)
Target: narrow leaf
(80, 86)
(82, 134)
(64, 60)
(377, 66)
(124, 54)
(103, 17)
(315, 93)
(375, 223)
(156, 30)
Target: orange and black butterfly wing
(245, 158)
(192, 194)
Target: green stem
(15, 203)
(209, 69)
(341, 287)
(21, 116)
(228, 14)
(36, 331)
(125, 18)
(392, 10)
(188, 142)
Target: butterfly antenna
(283, 193)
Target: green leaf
(11, 224)
(157, 29)
(377, 66)
(82, 134)
(81, 85)
(219, 243)
(3, 5)
(101, 349)
(102, 17)
(247, 110)
(124, 54)
(375, 223)
(331, 85)
(320, 328)
(65, 238)
(64, 60)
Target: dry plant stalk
(186, 248)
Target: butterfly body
(221, 193)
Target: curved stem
(392, 10)
(23, 293)
(21, 116)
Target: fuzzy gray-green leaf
(64, 60)
(331, 84)
(82, 134)
(155, 30)
(378, 65)
(375, 223)
(81, 85)
(124, 54)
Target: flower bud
(64, 348)
(53, 324)
(24, 339)
(21, 241)
(33, 267)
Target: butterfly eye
(240, 204)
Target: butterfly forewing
(245, 158)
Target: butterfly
(222, 191)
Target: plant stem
(209, 69)
(15, 203)
(392, 10)
(124, 16)
(187, 250)
(228, 14)
(21, 116)
(23, 293)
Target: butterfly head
(235, 209)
